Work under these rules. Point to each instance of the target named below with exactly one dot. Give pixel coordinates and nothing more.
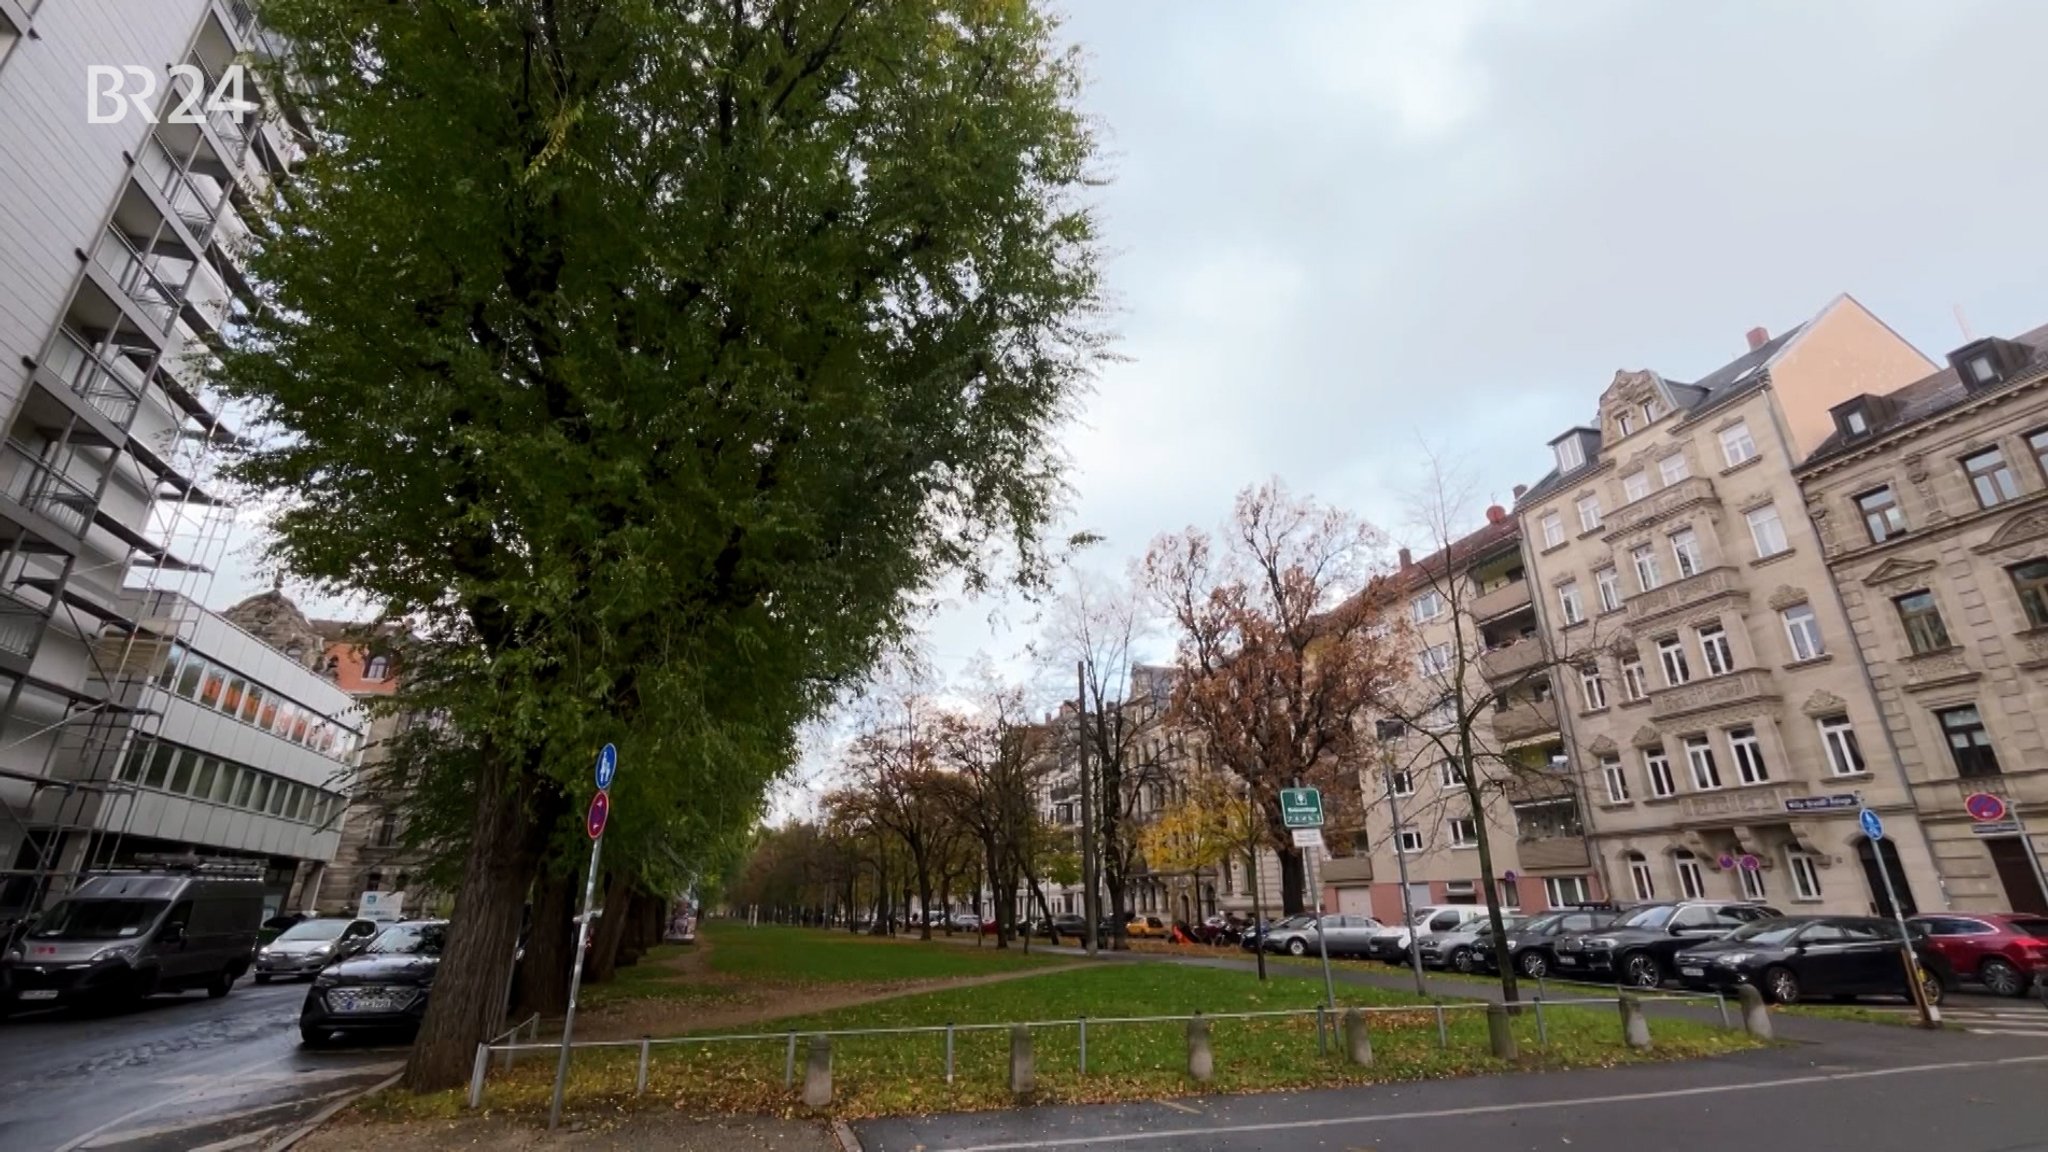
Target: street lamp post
(1388, 732)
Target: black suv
(1532, 944)
(1638, 949)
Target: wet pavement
(175, 1073)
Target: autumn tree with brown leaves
(1278, 659)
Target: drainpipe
(1862, 666)
(1539, 602)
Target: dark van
(122, 936)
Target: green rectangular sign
(1301, 807)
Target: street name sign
(1996, 828)
(1819, 803)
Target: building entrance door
(1876, 881)
(2022, 890)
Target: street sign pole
(1308, 857)
(2027, 846)
(600, 815)
(1930, 1016)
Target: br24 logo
(109, 96)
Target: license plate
(39, 994)
(1692, 971)
(349, 1001)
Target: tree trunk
(924, 898)
(544, 974)
(1293, 880)
(504, 853)
(617, 899)
(1119, 941)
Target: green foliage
(654, 363)
(811, 955)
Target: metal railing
(21, 625)
(188, 199)
(113, 386)
(133, 276)
(1326, 1019)
(35, 485)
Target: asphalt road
(176, 1073)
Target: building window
(1568, 602)
(1404, 783)
(1736, 446)
(1553, 530)
(1882, 516)
(1715, 653)
(1593, 686)
(1671, 654)
(1651, 410)
(1635, 683)
(1433, 659)
(1635, 485)
(1608, 581)
(2030, 580)
(1805, 877)
(1616, 777)
(1673, 468)
(1767, 532)
(1565, 891)
(1640, 878)
(1749, 756)
(378, 668)
(1570, 454)
(1699, 759)
(1802, 631)
(1657, 767)
(1428, 606)
(1645, 558)
(1922, 621)
(1408, 840)
(1752, 884)
(1845, 755)
(2037, 442)
(1464, 832)
(1990, 478)
(1589, 513)
(1968, 743)
(1442, 715)
(1692, 883)
(1451, 774)
(1624, 424)
(1685, 548)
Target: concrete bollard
(1635, 1030)
(1756, 1015)
(1357, 1041)
(1500, 1032)
(1023, 1070)
(1201, 1059)
(818, 1073)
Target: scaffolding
(108, 464)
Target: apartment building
(1471, 629)
(131, 719)
(1717, 710)
(1930, 501)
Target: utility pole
(1089, 911)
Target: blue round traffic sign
(1872, 826)
(607, 767)
(600, 813)
(1984, 807)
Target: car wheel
(222, 984)
(1781, 986)
(262, 979)
(1641, 971)
(312, 1037)
(1931, 989)
(1533, 965)
(1461, 960)
(2001, 978)
(1297, 947)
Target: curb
(847, 1141)
(328, 1113)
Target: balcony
(1508, 598)
(1690, 592)
(1719, 692)
(192, 202)
(133, 276)
(1510, 661)
(1552, 852)
(1655, 507)
(111, 384)
(45, 491)
(1525, 719)
(21, 623)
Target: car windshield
(410, 939)
(1767, 931)
(1655, 916)
(99, 919)
(314, 930)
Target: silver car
(1343, 934)
(1454, 949)
(310, 945)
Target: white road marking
(217, 1085)
(1486, 1109)
(211, 1118)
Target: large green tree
(658, 356)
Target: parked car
(1454, 949)
(1531, 943)
(2002, 951)
(383, 988)
(1343, 934)
(1391, 943)
(965, 922)
(310, 945)
(277, 925)
(1790, 958)
(1068, 925)
(1147, 927)
(125, 935)
(1638, 949)
(1255, 936)
(1218, 930)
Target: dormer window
(1623, 424)
(1854, 423)
(1986, 362)
(1982, 370)
(1570, 455)
(1651, 410)
(1860, 417)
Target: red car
(2003, 951)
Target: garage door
(1355, 901)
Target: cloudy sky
(1345, 230)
